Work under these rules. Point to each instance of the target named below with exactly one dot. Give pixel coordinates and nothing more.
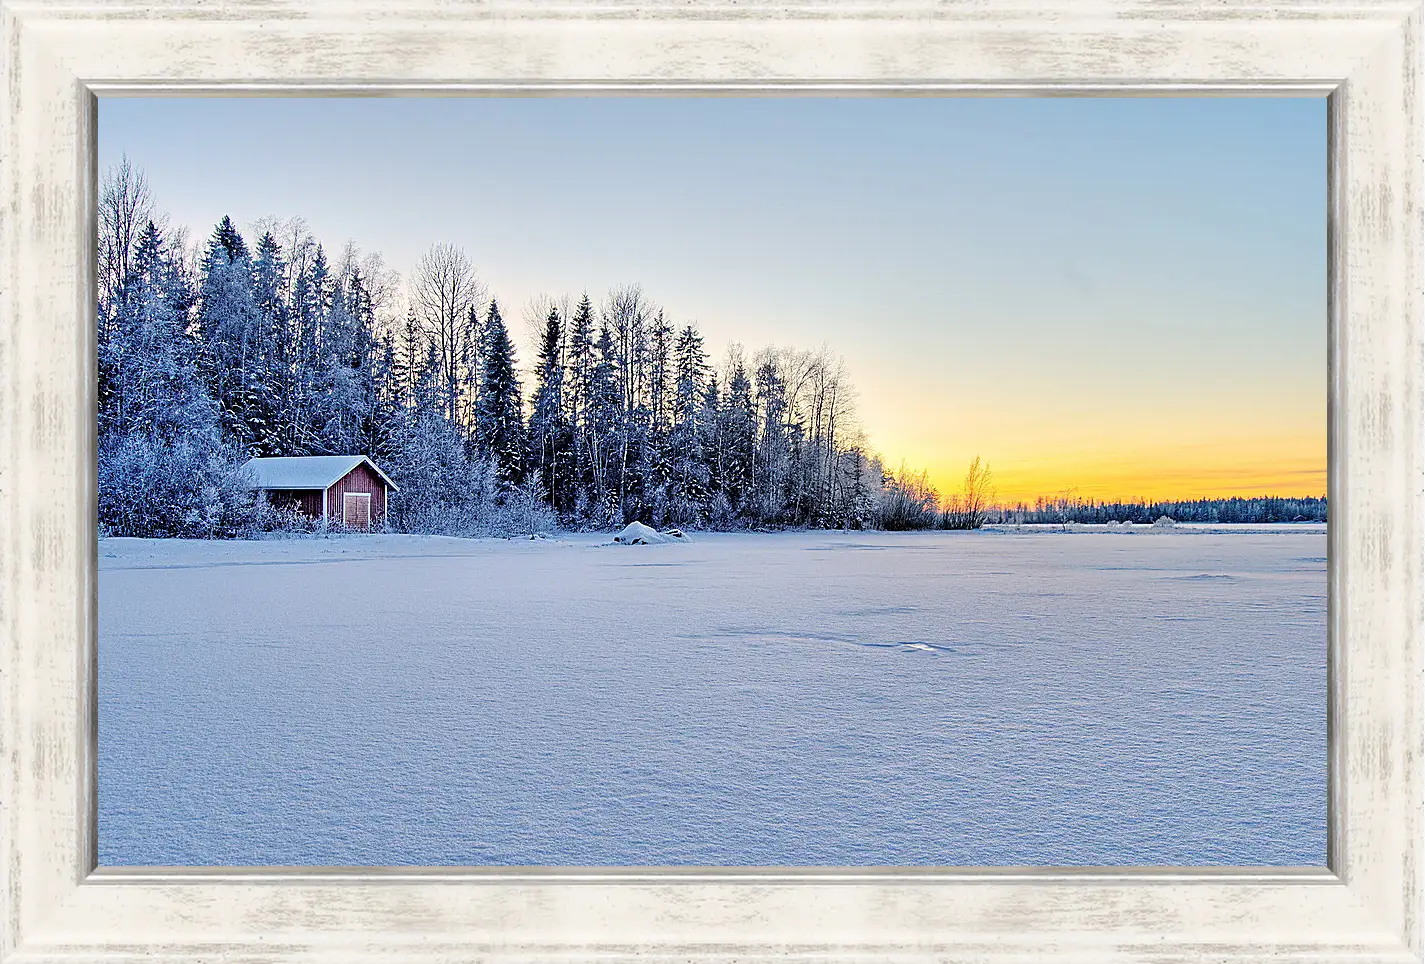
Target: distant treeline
(1233, 510)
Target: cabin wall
(307, 501)
(359, 479)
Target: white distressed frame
(58, 54)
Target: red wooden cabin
(341, 490)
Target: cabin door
(356, 510)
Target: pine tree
(550, 436)
(162, 466)
(271, 375)
(232, 329)
(578, 383)
(688, 482)
(656, 467)
(499, 420)
(464, 398)
(771, 467)
(408, 350)
(717, 506)
(227, 238)
(153, 384)
(739, 430)
(442, 489)
(603, 419)
(344, 393)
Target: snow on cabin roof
(307, 471)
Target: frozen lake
(984, 698)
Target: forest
(215, 351)
(212, 352)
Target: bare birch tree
(125, 208)
(447, 295)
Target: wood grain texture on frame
(58, 56)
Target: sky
(1118, 297)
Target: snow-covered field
(985, 698)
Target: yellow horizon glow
(1135, 479)
(1113, 438)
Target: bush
(523, 511)
(908, 502)
(189, 488)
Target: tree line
(1237, 509)
(211, 353)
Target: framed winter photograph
(769, 523)
(515, 482)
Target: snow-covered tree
(232, 330)
(499, 418)
(551, 438)
(447, 297)
(739, 440)
(163, 467)
(688, 468)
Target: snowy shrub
(523, 511)
(684, 511)
(908, 502)
(1164, 522)
(603, 514)
(445, 492)
(955, 515)
(188, 488)
(442, 490)
(720, 515)
(286, 519)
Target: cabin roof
(307, 471)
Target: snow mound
(638, 534)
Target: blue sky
(1126, 296)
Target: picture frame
(60, 55)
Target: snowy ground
(985, 698)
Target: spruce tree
(578, 384)
(271, 374)
(771, 465)
(232, 329)
(162, 466)
(739, 429)
(499, 420)
(227, 240)
(656, 467)
(603, 418)
(550, 437)
(688, 470)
